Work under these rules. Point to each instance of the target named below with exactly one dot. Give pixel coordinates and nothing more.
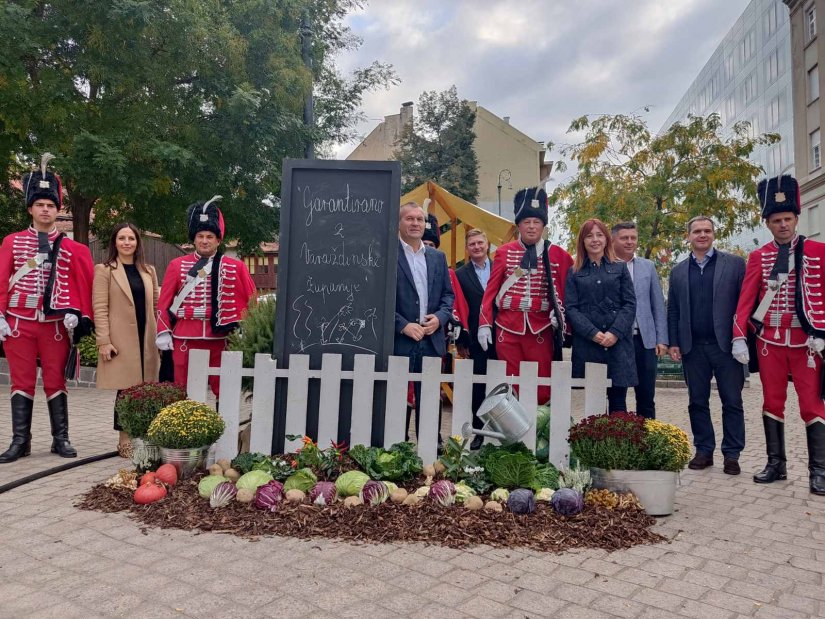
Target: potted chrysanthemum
(626, 452)
(185, 431)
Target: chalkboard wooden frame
(281, 346)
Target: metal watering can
(504, 417)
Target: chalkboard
(336, 271)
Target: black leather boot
(816, 456)
(21, 426)
(776, 467)
(59, 416)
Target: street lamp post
(507, 176)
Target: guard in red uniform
(45, 300)
(203, 296)
(526, 289)
(782, 303)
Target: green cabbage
(399, 462)
(302, 479)
(351, 482)
(208, 484)
(511, 470)
(252, 480)
(500, 494)
(543, 423)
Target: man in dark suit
(423, 296)
(473, 278)
(702, 298)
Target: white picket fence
(363, 377)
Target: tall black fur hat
(779, 194)
(42, 184)
(431, 231)
(530, 202)
(205, 216)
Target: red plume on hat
(779, 194)
(42, 184)
(205, 217)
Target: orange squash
(149, 493)
(147, 478)
(168, 474)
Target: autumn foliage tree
(626, 173)
(150, 106)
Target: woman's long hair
(112, 258)
(581, 252)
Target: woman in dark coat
(600, 305)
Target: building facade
(508, 159)
(807, 49)
(748, 79)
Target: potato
(232, 475)
(439, 467)
(412, 500)
(216, 469)
(352, 501)
(224, 464)
(245, 495)
(422, 491)
(493, 506)
(428, 470)
(473, 503)
(399, 495)
(295, 495)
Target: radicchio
(323, 493)
(443, 491)
(269, 495)
(374, 493)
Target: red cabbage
(323, 493)
(374, 493)
(567, 502)
(443, 491)
(521, 501)
(269, 495)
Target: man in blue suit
(423, 296)
(650, 326)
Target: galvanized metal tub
(656, 490)
(186, 461)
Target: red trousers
(513, 349)
(180, 359)
(29, 341)
(775, 363)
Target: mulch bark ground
(456, 527)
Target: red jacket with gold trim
(526, 305)
(48, 291)
(214, 307)
(798, 309)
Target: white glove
(70, 321)
(5, 330)
(816, 344)
(485, 337)
(553, 322)
(164, 341)
(740, 351)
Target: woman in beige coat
(125, 297)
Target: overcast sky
(541, 62)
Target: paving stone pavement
(735, 550)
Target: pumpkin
(168, 474)
(149, 493)
(147, 478)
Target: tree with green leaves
(626, 173)
(438, 146)
(150, 106)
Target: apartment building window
(813, 83)
(730, 108)
(813, 221)
(775, 159)
(771, 20)
(749, 88)
(748, 46)
(810, 22)
(729, 67)
(816, 150)
(772, 66)
(775, 109)
(754, 125)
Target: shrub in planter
(626, 441)
(137, 406)
(186, 425)
(87, 347)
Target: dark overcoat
(601, 297)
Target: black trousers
(646, 363)
(617, 399)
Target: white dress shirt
(418, 267)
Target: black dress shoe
(700, 461)
(478, 441)
(731, 467)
